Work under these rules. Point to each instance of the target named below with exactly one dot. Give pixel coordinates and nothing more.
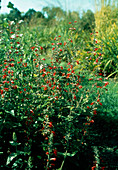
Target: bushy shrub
(47, 102)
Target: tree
(29, 13)
(88, 20)
(53, 13)
(14, 14)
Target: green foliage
(29, 14)
(106, 25)
(10, 5)
(88, 20)
(55, 105)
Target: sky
(24, 5)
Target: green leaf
(39, 157)
(14, 136)
(11, 157)
(12, 112)
(10, 5)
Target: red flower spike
(92, 103)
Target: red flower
(91, 121)
(72, 71)
(92, 103)
(54, 73)
(45, 88)
(94, 112)
(77, 62)
(74, 97)
(50, 124)
(9, 71)
(1, 92)
(6, 89)
(50, 85)
(12, 64)
(80, 87)
(55, 152)
(106, 83)
(43, 75)
(88, 107)
(53, 48)
(41, 48)
(53, 87)
(32, 48)
(93, 168)
(43, 58)
(64, 43)
(24, 89)
(53, 133)
(100, 104)
(53, 159)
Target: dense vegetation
(59, 90)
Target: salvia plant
(47, 104)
